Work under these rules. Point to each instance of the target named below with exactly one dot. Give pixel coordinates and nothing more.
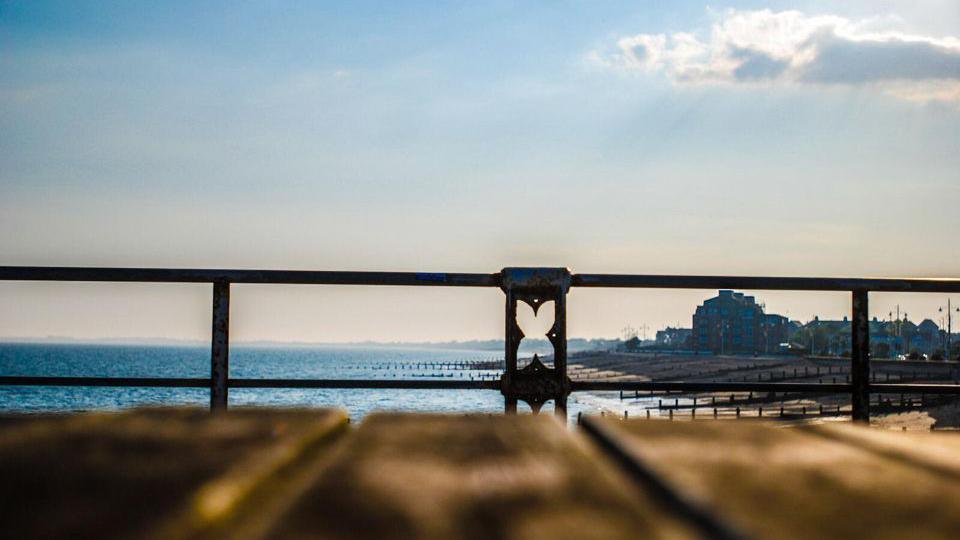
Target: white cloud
(789, 47)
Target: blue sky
(608, 137)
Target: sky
(743, 138)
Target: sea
(251, 362)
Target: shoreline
(889, 412)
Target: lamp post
(813, 337)
(722, 327)
(949, 325)
(906, 339)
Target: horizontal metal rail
(780, 387)
(165, 382)
(293, 277)
(427, 384)
(684, 386)
(440, 384)
(765, 283)
(219, 381)
(311, 277)
(145, 382)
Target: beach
(912, 411)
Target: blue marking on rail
(431, 276)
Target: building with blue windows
(732, 323)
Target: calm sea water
(320, 362)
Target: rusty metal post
(535, 383)
(558, 332)
(860, 357)
(558, 337)
(220, 349)
(512, 336)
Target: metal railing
(535, 286)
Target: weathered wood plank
(166, 472)
(938, 452)
(799, 483)
(511, 477)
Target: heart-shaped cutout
(535, 326)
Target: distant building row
(887, 338)
(733, 323)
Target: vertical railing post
(558, 337)
(220, 346)
(535, 383)
(860, 357)
(512, 337)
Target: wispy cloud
(789, 47)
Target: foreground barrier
(535, 383)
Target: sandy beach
(911, 412)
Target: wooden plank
(170, 472)
(433, 476)
(935, 451)
(796, 484)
